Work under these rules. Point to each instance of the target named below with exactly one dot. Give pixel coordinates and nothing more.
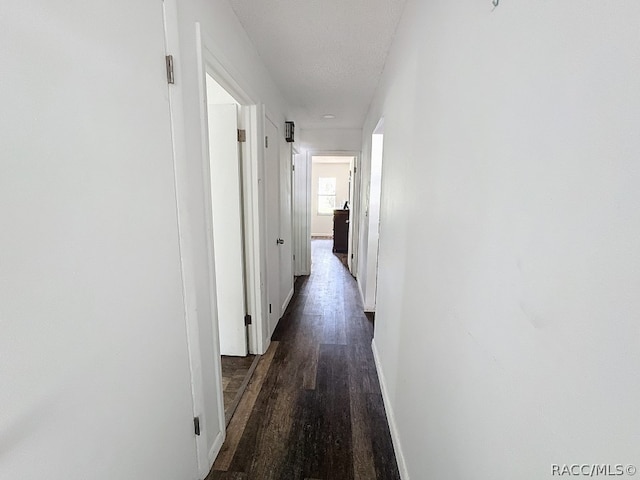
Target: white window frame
(321, 195)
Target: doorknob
(280, 241)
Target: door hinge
(169, 63)
(269, 308)
(196, 425)
(242, 136)
(355, 169)
(352, 256)
(266, 142)
(247, 319)
(293, 167)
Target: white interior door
(286, 225)
(302, 215)
(272, 187)
(94, 373)
(226, 198)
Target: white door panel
(95, 379)
(227, 228)
(272, 176)
(286, 248)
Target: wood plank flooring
(236, 372)
(313, 408)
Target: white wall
(507, 315)
(330, 140)
(217, 95)
(94, 376)
(322, 225)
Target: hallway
(313, 409)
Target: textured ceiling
(326, 56)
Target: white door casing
(373, 220)
(206, 381)
(303, 206)
(251, 119)
(353, 216)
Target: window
(326, 195)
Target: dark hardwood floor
(236, 373)
(313, 408)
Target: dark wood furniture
(340, 231)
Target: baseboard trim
(215, 449)
(367, 308)
(360, 289)
(228, 414)
(395, 438)
(287, 300)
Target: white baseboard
(283, 308)
(287, 300)
(215, 449)
(360, 289)
(395, 438)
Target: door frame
(186, 242)
(354, 215)
(250, 112)
(369, 296)
(210, 60)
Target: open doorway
(200, 272)
(372, 218)
(229, 240)
(331, 200)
